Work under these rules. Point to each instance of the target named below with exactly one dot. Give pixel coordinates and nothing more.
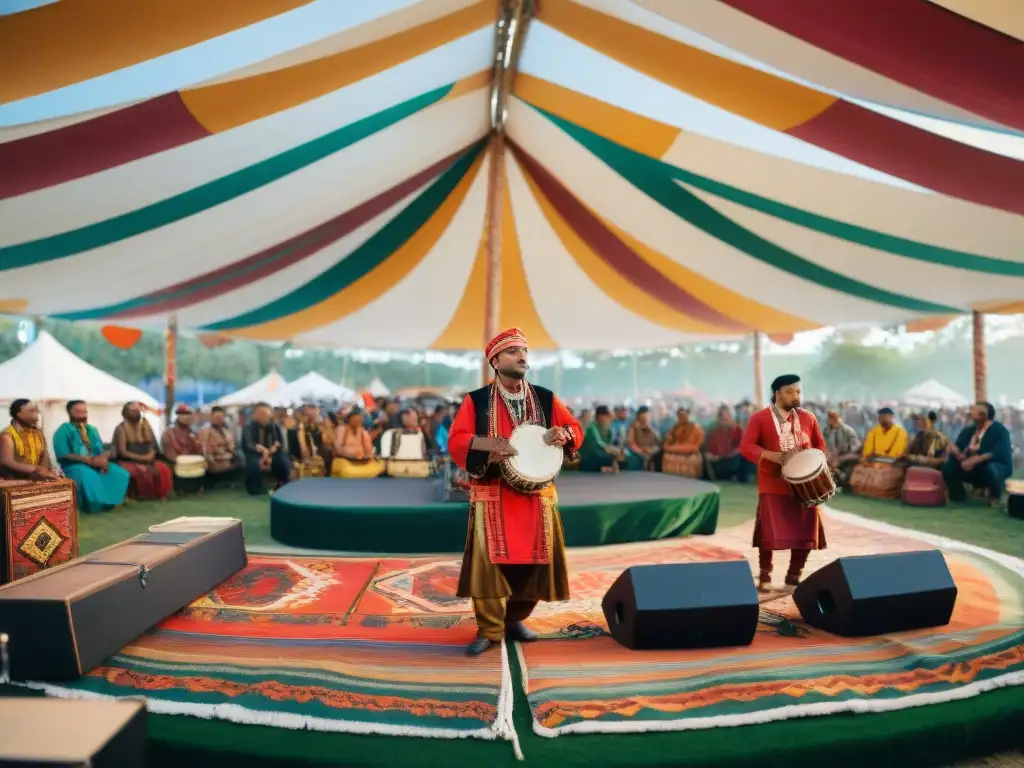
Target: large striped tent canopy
(319, 171)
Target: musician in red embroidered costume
(515, 552)
(772, 435)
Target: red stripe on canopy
(914, 42)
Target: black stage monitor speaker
(878, 594)
(1015, 504)
(683, 605)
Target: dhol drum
(190, 467)
(808, 475)
(536, 464)
(878, 478)
(683, 464)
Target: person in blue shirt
(982, 456)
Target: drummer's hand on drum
(773, 456)
(502, 452)
(556, 436)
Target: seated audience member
(179, 439)
(223, 464)
(23, 453)
(100, 484)
(982, 456)
(135, 449)
(929, 446)
(643, 443)
(886, 440)
(181, 449)
(408, 450)
(682, 447)
(620, 425)
(843, 447)
(722, 450)
(598, 453)
(263, 447)
(306, 443)
(881, 473)
(353, 450)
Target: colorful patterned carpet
(581, 681)
(367, 645)
(331, 644)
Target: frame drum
(190, 467)
(536, 464)
(808, 475)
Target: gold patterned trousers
(493, 614)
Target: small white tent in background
(932, 393)
(311, 388)
(378, 388)
(50, 375)
(257, 392)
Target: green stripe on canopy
(366, 257)
(653, 178)
(214, 193)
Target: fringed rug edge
(794, 711)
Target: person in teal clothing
(598, 452)
(101, 484)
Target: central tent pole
(509, 33)
(492, 221)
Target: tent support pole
(509, 34)
(492, 305)
(758, 371)
(170, 368)
(979, 358)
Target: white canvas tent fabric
(311, 388)
(257, 392)
(932, 392)
(50, 375)
(678, 170)
(378, 388)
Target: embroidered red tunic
(782, 521)
(515, 522)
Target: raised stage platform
(408, 516)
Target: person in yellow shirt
(881, 472)
(886, 440)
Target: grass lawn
(973, 523)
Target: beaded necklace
(522, 407)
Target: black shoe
(518, 631)
(479, 645)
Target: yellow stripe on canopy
(224, 106)
(76, 40)
(516, 306)
(624, 293)
(469, 84)
(13, 306)
(758, 96)
(1002, 308)
(1006, 16)
(372, 31)
(747, 312)
(373, 285)
(926, 324)
(629, 129)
